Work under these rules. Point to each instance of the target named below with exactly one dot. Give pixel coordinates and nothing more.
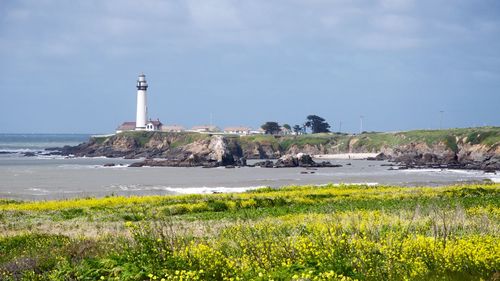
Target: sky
(72, 66)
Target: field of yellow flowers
(333, 232)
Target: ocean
(38, 142)
(46, 176)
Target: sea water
(53, 177)
(37, 142)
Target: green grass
(293, 233)
(176, 139)
(453, 139)
(301, 141)
(99, 140)
(374, 142)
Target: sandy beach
(345, 156)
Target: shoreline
(345, 156)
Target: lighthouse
(142, 107)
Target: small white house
(284, 131)
(153, 125)
(259, 131)
(125, 126)
(172, 128)
(238, 130)
(205, 129)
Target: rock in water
(287, 161)
(305, 160)
(380, 157)
(265, 164)
(300, 160)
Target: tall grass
(293, 233)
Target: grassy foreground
(293, 233)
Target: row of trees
(315, 123)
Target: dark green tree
(297, 129)
(271, 127)
(317, 124)
(286, 126)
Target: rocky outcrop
(191, 149)
(299, 160)
(117, 146)
(465, 156)
(258, 150)
(212, 152)
(380, 157)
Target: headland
(465, 148)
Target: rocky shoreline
(191, 150)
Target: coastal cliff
(474, 148)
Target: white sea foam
(78, 166)
(95, 157)
(41, 156)
(37, 191)
(19, 150)
(208, 190)
(355, 183)
(495, 178)
(185, 190)
(466, 173)
(418, 171)
(444, 171)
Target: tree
(297, 129)
(317, 124)
(271, 127)
(286, 126)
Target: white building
(205, 129)
(142, 105)
(238, 130)
(151, 125)
(141, 122)
(259, 131)
(284, 131)
(172, 128)
(125, 126)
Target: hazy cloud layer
(212, 56)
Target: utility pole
(361, 124)
(441, 119)
(340, 126)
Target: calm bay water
(49, 177)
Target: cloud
(383, 41)
(214, 14)
(392, 23)
(69, 28)
(397, 5)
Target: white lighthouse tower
(142, 107)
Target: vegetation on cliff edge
(366, 142)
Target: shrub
(217, 205)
